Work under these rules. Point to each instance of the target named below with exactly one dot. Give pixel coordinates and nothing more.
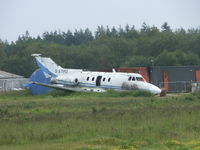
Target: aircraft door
(98, 81)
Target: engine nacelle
(72, 80)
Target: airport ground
(90, 121)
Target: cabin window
(104, 79)
(129, 79)
(139, 79)
(88, 78)
(109, 79)
(93, 79)
(133, 79)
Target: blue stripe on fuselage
(88, 85)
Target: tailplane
(47, 65)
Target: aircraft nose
(155, 90)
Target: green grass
(96, 121)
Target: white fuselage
(80, 80)
(104, 81)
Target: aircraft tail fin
(46, 64)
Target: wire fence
(177, 86)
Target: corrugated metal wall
(173, 78)
(12, 84)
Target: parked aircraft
(90, 81)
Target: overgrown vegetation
(93, 121)
(109, 93)
(115, 47)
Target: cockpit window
(139, 79)
(133, 79)
(129, 79)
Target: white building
(11, 82)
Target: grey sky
(38, 16)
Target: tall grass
(109, 93)
(94, 121)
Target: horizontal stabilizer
(36, 55)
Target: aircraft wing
(77, 89)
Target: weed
(189, 98)
(3, 112)
(94, 110)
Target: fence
(177, 86)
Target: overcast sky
(38, 16)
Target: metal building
(11, 82)
(175, 78)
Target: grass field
(99, 121)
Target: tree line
(105, 48)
